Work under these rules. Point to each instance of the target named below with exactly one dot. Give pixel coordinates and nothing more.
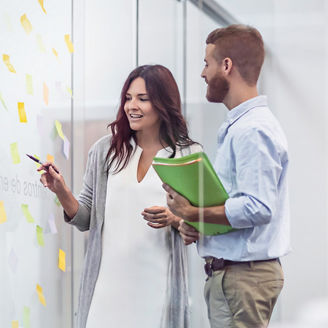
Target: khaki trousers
(243, 295)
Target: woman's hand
(55, 182)
(159, 217)
(51, 179)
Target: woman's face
(139, 110)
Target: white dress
(131, 286)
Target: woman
(134, 276)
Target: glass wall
(35, 117)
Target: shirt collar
(235, 113)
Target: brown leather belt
(215, 264)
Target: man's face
(217, 84)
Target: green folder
(194, 177)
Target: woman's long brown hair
(164, 96)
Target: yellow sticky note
(6, 60)
(40, 43)
(21, 112)
(14, 324)
(69, 43)
(54, 51)
(42, 6)
(59, 129)
(69, 90)
(27, 214)
(29, 84)
(3, 102)
(45, 94)
(50, 158)
(39, 235)
(40, 294)
(62, 260)
(3, 215)
(14, 153)
(26, 24)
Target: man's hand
(179, 205)
(188, 233)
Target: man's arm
(181, 207)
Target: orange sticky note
(50, 158)
(45, 94)
(62, 260)
(14, 153)
(3, 215)
(6, 60)
(69, 43)
(42, 6)
(21, 112)
(14, 324)
(26, 24)
(40, 294)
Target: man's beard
(217, 89)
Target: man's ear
(226, 66)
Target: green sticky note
(29, 84)
(27, 214)
(3, 102)
(39, 235)
(59, 130)
(14, 153)
(26, 317)
(57, 201)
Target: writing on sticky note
(59, 130)
(6, 60)
(27, 214)
(69, 43)
(45, 93)
(14, 324)
(27, 26)
(29, 84)
(21, 112)
(14, 153)
(40, 294)
(42, 6)
(3, 102)
(62, 260)
(3, 215)
(26, 317)
(50, 158)
(39, 235)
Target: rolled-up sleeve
(258, 169)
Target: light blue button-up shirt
(252, 163)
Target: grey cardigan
(90, 216)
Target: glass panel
(34, 94)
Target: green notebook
(193, 177)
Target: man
(244, 272)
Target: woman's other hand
(159, 217)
